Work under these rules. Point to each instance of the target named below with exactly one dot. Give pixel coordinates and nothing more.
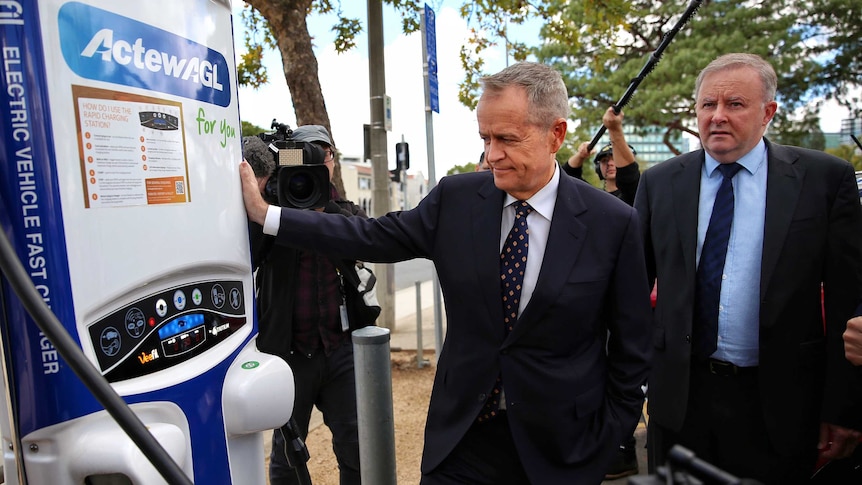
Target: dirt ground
(411, 390)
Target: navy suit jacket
(574, 362)
(812, 236)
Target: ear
(769, 112)
(558, 134)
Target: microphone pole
(654, 58)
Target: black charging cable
(83, 368)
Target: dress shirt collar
(545, 199)
(751, 161)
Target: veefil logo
(103, 46)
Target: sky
(344, 80)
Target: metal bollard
(420, 356)
(374, 405)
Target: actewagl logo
(103, 46)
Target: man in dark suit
(529, 393)
(751, 382)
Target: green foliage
(466, 168)
(602, 69)
(601, 46)
(805, 132)
(589, 175)
(346, 30)
(259, 37)
(249, 129)
(849, 153)
(252, 73)
(489, 20)
(835, 28)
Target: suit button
(688, 339)
(483, 397)
(505, 351)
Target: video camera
(684, 468)
(300, 179)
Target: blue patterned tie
(711, 267)
(513, 261)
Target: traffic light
(366, 140)
(395, 175)
(402, 155)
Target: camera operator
(615, 167)
(301, 302)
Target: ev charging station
(120, 193)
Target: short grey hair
(768, 79)
(546, 92)
(256, 152)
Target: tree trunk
(287, 21)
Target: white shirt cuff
(272, 221)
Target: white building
(358, 180)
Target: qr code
(180, 188)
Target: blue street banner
(431, 55)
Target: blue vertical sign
(431, 55)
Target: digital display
(181, 324)
(183, 334)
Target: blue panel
(104, 46)
(31, 216)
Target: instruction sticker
(132, 149)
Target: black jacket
(276, 267)
(627, 180)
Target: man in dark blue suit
(759, 385)
(539, 388)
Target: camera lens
(304, 186)
(301, 187)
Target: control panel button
(135, 322)
(179, 299)
(217, 294)
(235, 298)
(110, 341)
(161, 307)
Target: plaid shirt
(316, 315)
(316, 312)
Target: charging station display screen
(167, 328)
(183, 334)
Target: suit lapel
(685, 188)
(783, 186)
(486, 217)
(566, 237)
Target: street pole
(379, 161)
(402, 177)
(432, 176)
